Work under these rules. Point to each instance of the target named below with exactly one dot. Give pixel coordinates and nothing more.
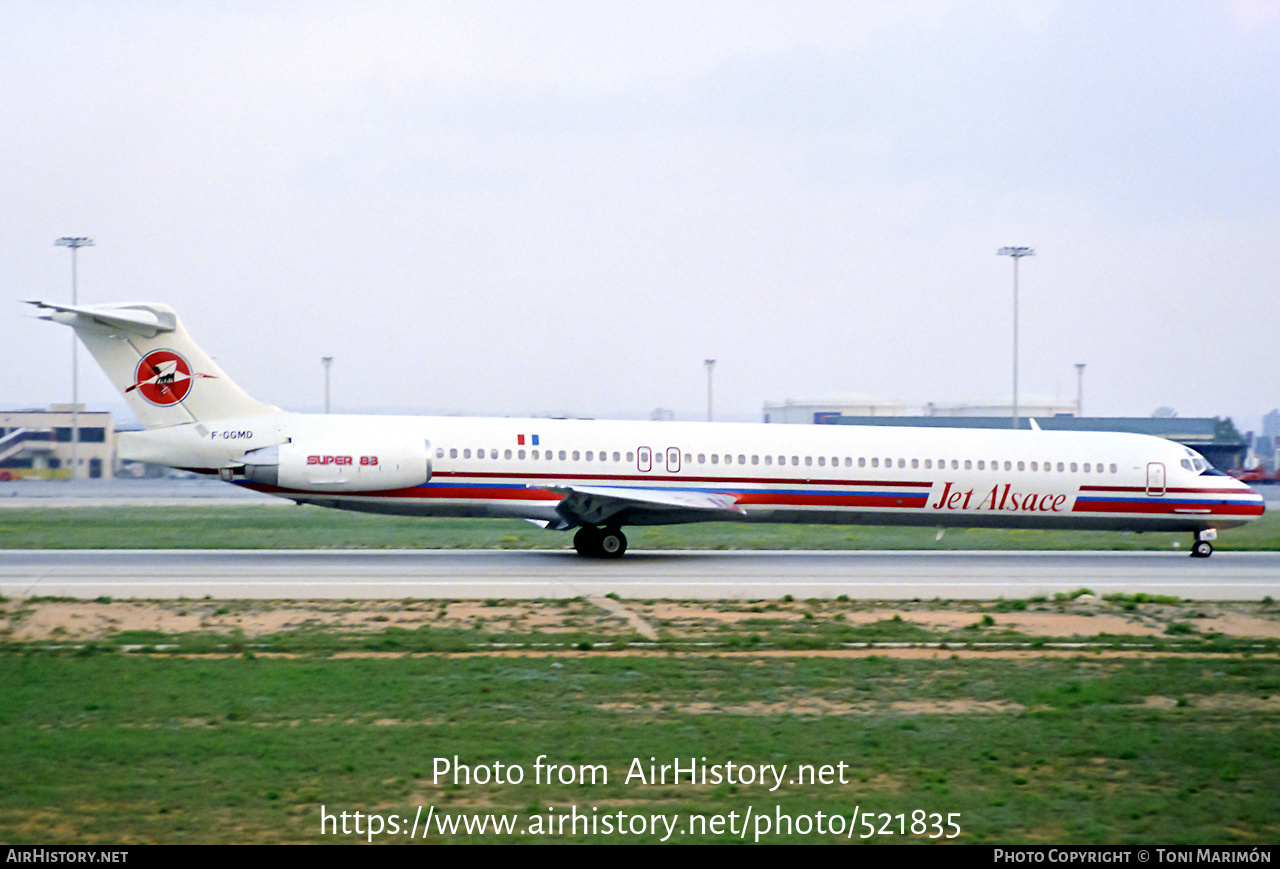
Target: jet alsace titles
(599, 476)
(1001, 499)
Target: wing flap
(598, 505)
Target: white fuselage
(875, 475)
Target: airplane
(600, 476)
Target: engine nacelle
(337, 467)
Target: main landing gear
(1203, 547)
(594, 542)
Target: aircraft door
(1155, 479)
(644, 459)
(673, 460)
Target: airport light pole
(1017, 253)
(1079, 389)
(710, 363)
(75, 243)
(327, 361)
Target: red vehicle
(1257, 475)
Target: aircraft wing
(599, 505)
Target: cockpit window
(1199, 465)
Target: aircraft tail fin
(164, 376)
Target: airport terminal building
(1214, 438)
(39, 444)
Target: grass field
(276, 527)
(1161, 733)
(1164, 736)
(126, 748)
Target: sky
(566, 206)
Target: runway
(463, 575)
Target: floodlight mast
(75, 243)
(711, 364)
(326, 361)
(1017, 253)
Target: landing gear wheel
(613, 543)
(587, 541)
(594, 542)
(1201, 549)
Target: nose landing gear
(593, 542)
(1203, 546)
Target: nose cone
(1252, 498)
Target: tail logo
(163, 378)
